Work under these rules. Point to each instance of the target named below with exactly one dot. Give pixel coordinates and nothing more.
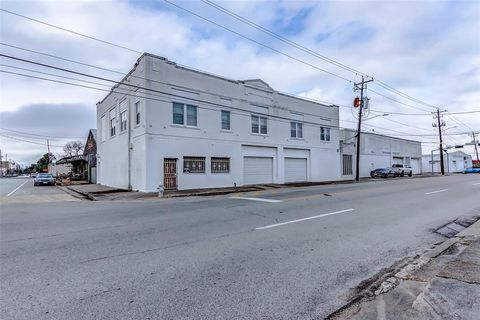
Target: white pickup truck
(402, 170)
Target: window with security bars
(347, 165)
(220, 165)
(194, 164)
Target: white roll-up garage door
(295, 169)
(257, 170)
(415, 164)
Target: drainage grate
(450, 229)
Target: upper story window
(225, 120)
(184, 114)
(296, 130)
(137, 112)
(259, 124)
(113, 121)
(103, 130)
(123, 121)
(324, 134)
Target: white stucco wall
(158, 138)
(379, 151)
(454, 162)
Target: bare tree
(73, 148)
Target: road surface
(289, 253)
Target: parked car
(33, 175)
(383, 173)
(402, 170)
(44, 179)
(472, 170)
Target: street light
(378, 115)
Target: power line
(27, 141)
(70, 31)
(304, 49)
(33, 135)
(245, 113)
(161, 82)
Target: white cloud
(430, 50)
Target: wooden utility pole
(362, 86)
(475, 143)
(440, 124)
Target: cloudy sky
(429, 50)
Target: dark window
(123, 121)
(137, 112)
(296, 130)
(191, 115)
(325, 134)
(178, 113)
(225, 120)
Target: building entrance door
(170, 174)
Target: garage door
(415, 164)
(257, 170)
(397, 160)
(295, 169)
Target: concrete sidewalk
(442, 284)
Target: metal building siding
(257, 170)
(295, 169)
(415, 164)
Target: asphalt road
(285, 254)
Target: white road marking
(438, 191)
(257, 199)
(13, 191)
(477, 184)
(304, 219)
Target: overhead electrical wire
(307, 50)
(39, 136)
(142, 95)
(28, 141)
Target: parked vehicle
(472, 170)
(383, 173)
(33, 175)
(44, 179)
(402, 170)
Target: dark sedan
(383, 173)
(44, 179)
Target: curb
(74, 193)
(402, 273)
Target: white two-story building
(171, 126)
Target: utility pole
(440, 123)
(48, 154)
(475, 143)
(362, 86)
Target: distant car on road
(33, 175)
(402, 170)
(472, 170)
(44, 179)
(383, 173)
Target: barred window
(194, 164)
(220, 165)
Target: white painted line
(8, 195)
(438, 191)
(257, 199)
(477, 184)
(304, 219)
